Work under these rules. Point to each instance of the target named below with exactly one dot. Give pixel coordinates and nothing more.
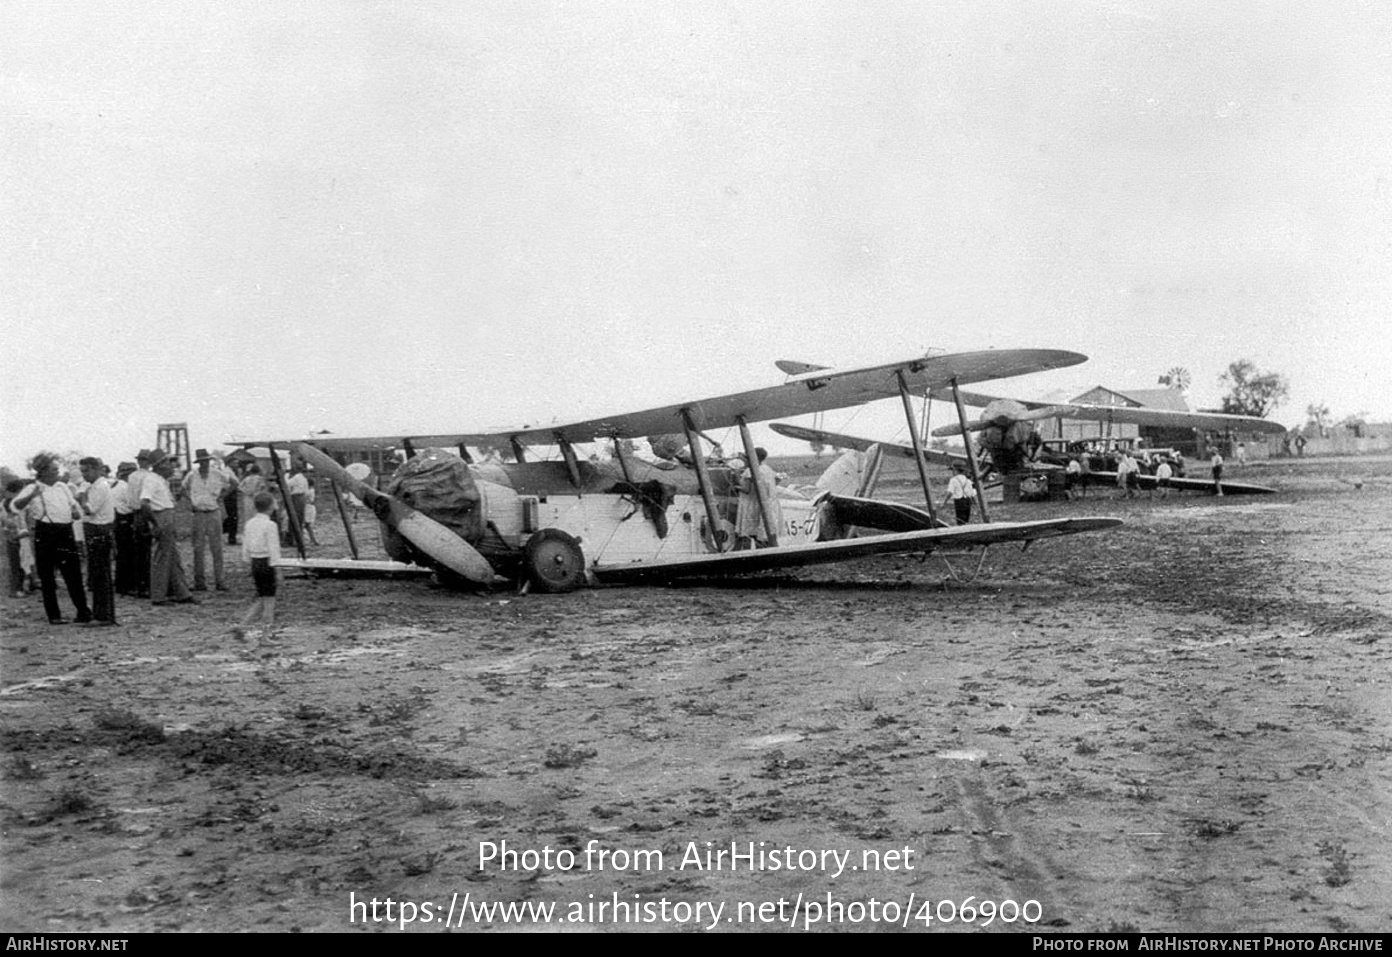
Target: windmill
(1177, 378)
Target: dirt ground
(1183, 725)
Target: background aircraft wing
(980, 399)
(1164, 417)
(841, 441)
(1214, 421)
(794, 367)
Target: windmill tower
(173, 437)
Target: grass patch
(567, 756)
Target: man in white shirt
(99, 517)
(959, 492)
(50, 508)
(168, 586)
(1073, 478)
(1127, 470)
(1163, 472)
(205, 487)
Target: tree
(1252, 392)
(1317, 417)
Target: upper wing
(816, 390)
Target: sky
(372, 218)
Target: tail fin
(853, 473)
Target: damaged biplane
(556, 525)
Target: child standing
(261, 547)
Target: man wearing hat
(51, 510)
(205, 488)
(127, 581)
(168, 586)
(99, 519)
(140, 554)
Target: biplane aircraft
(1005, 427)
(556, 525)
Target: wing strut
(917, 444)
(753, 460)
(623, 462)
(572, 463)
(971, 453)
(698, 455)
(295, 531)
(347, 521)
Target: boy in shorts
(261, 547)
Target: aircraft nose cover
(437, 483)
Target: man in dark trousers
(51, 509)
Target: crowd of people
(111, 534)
(1130, 464)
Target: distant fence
(1338, 440)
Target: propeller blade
(434, 539)
(976, 425)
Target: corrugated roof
(1171, 400)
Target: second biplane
(1007, 441)
(559, 524)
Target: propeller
(1004, 413)
(1005, 427)
(432, 538)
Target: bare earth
(1185, 725)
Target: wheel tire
(553, 561)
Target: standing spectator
(251, 485)
(749, 520)
(1072, 478)
(1215, 460)
(16, 531)
(311, 510)
(141, 523)
(99, 515)
(1241, 454)
(231, 503)
(205, 488)
(127, 578)
(261, 549)
(51, 510)
(1125, 469)
(959, 492)
(1163, 472)
(298, 488)
(168, 586)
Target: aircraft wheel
(553, 561)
